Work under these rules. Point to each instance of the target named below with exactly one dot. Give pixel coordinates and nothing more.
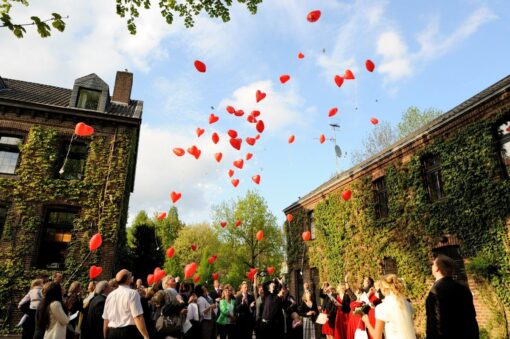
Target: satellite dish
(338, 151)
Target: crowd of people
(123, 308)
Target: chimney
(122, 89)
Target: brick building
(437, 180)
(50, 206)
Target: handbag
(359, 333)
(322, 319)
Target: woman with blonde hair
(308, 310)
(394, 316)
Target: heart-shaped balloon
(193, 247)
(193, 150)
(374, 121)
(313, 16)
(346, 195)
(255, 113)
(161, 216)
(200, 66)
(238, 223)
(249, 156)
(250, 141)
(215, 137)
(235, 182)
(230, 109)
(178, 151)
(230, 172)
(332, 111)
(232, 133)
(200, 131)
(83, 130)
(257, 137)
(159, 275)
(339, 80)
(196, 278)
(260, 126)
(291, 139)
(369, 64)
(260, 235)
(175, 196)
(251, 119)
(239, 113)
(223, 224)
(215, 276)
(189, 270)
(260, 95)
(306, 235)
(150, 279)
(95, 242)
(170, 252)
(348, 75)
(95, 271)
(236, 143)
(270, 270)
(211, 260)
(290, 217)
(213, 118)
(322, 138)
(239, 163)
(300, 55)
(284, 78)
(218, 156)
(256, 179)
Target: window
(88, 99)
(504, 142)
(3, 217)
(311, 220)
(74, 166)
(389, 266)
(380, 198)
(9, 153)
(432, 171)
(56, 236)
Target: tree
(413, 118)
(169, 227)
(241, 250)
(131, 9)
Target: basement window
(380, 198)
(88, 99)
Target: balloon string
(67, 155)
(77, 268)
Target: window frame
(379, 207)
(385, 265)
(64, 145)
(8, 148)
(436, 170)
(503, 137)
(7, 206)
(83, 90)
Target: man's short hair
(445, 264)
(101, 286)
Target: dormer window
(88, 99)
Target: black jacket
(329, 307)
(244, 312)
(92, 326)
(450, 311)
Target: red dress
(371, 314)
(341, 322)
(354, 322)
(326, 329)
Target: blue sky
(427, 54)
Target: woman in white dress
(394, 316)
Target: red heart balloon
(150, 279)
(257, 137)
(260, 126)
(215, 137)
(194, 151)
(322, 138)
(236, 143)
(193, 247)
(346, 195)
(290, 217)
(161, 216)
(178, 151)
(374, 121)
(211, 260)
(238, 223)
(250, 141)
(175, 196)
(235, 182)
(170, 252)
(313, 16)
(160, 275)
(249, 156)
(95, 242)
(239, 113)
(339, 80)
(200, 131)
(256, 179)
(230, 109)
(306, 235)
(196, 279)
(95, 271)
(189, 270)
(348, 75)
(200, 66)
(197, 154)
(332, 111)
(218, 156)
(260, 95)
(260, 235)
(369, 64)
(255, 113)
(213, 118)
(232, 133)
(251, 119)
(223, 224)
(270, 270)
(239, 163)
(83, 130)
(291, 139)
(215, 276)
(230, 173)
(300, 55)
(284, 78)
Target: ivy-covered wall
(351, 240)
(101, 196)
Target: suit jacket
(94, 318)
(214, 295)
(450, 311)
(243, 310)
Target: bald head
(123, 277)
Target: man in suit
(450, 310)
(245, 307)
(215, 293)
(92, 326)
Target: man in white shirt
(123, 313)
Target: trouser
(130, 332)
(225, 331)
(206, 328)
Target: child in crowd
(297, 326)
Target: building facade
(58, 189)
(442, 189)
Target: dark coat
(329, 307)
(92, 327)
(450, 311)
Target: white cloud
(395, 62)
